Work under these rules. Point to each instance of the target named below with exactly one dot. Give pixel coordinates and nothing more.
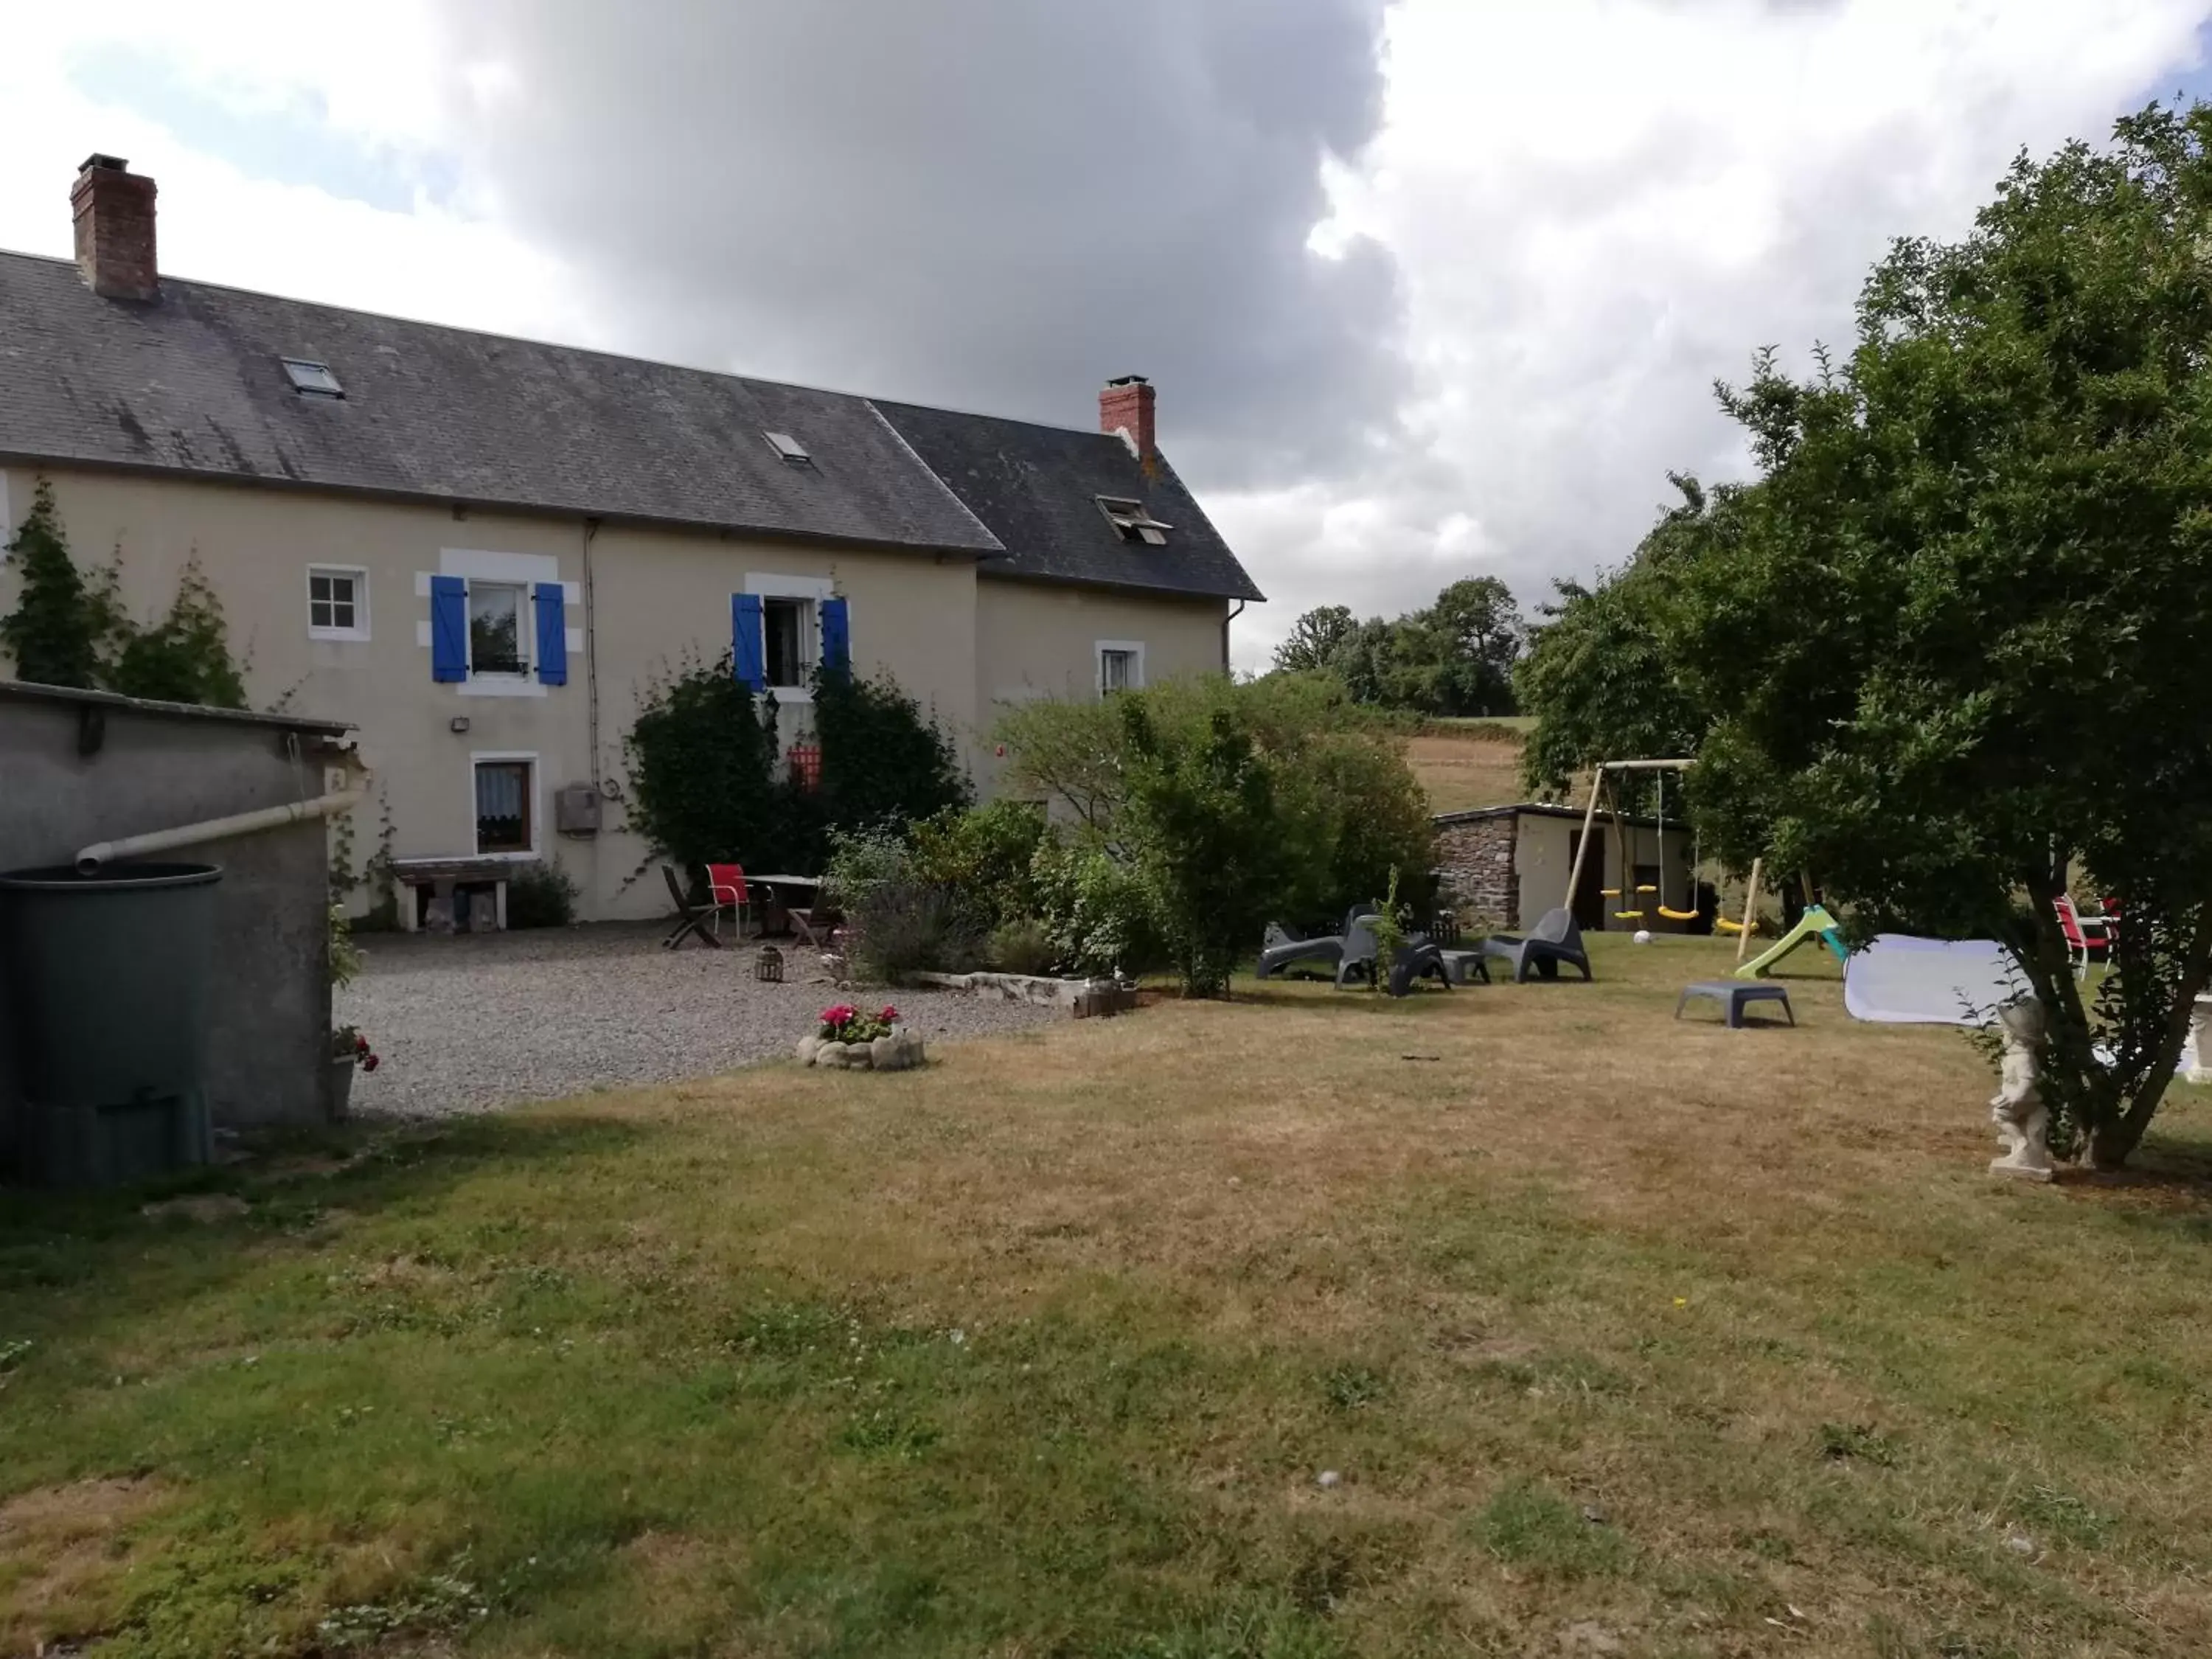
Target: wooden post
(1581, 846)
(1750, 910)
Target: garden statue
(2017, 1109)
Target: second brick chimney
(1125, 407)
(114, 209)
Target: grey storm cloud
(987, 203)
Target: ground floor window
(503, 803)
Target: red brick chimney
(114, 209)
(1125, 407)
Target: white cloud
(1598, 208)
(1591, 209)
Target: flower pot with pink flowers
(854, 1040)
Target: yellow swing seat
(1678, 915)
(1726, 926)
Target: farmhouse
(480, 549)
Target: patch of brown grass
(64, 1547)
(1462, 771)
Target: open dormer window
(788, 448)
(312, 378)
(1132, 522)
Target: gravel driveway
(465, 1023)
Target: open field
(1621, 1337)
(1466, 765)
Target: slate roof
(1036, 488)
(193, 384)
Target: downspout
(90, 858)
(1225, 620)
(592, 649)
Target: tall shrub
(54, 633)
(700, 761)
(185, 657)
(1200, 827)
(883, 760)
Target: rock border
(901, 1051)
(1083, 998)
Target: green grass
(1707, 1342)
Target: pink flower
(888, 1013)
(370, 1062)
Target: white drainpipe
(89, 859)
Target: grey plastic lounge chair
(1322, 954)
(1554, 940)
(1415, 961)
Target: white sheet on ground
(1899, 980)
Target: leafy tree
(1200, 822)
(1598, 676)
(1953, 651)
(1455, 658)
(54, 633)
(1315, 639)
(1347, 808)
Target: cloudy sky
(1430, 288)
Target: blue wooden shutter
(449, 629)
(552, 632)
(747, 657)
(836, 638)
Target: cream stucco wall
(1038, 641)
(655, 595)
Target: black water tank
(107, 983)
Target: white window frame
(813, 591)
(1133, 648)
(483, 756)
(359, 576)
(525, 630)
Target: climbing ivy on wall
(56, 631)
(66, 630)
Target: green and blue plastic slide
(1816, 923)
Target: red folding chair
(725, 891)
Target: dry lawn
(1476, 765)
(1620, 1336)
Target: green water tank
(106, 985)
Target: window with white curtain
(503, 814)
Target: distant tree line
(1457, 657)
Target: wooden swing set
(1621, 894)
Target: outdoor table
(782, 889)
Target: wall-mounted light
(458, 723)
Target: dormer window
(788, 449)
(313, 379)
(1132, 522)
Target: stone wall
(1476, 856)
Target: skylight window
(789, 447)
(309, 376)
(1132, 522)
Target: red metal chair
(2084, 934)
(725, 891)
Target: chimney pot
(114, 207)
(1125, 407)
